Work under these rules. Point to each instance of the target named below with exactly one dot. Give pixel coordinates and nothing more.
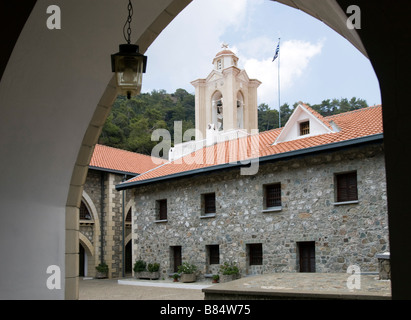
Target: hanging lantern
(128, 64)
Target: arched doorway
(128, 259)
(82, 261)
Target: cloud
(295, 56)
(185, 49)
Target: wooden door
(81, 261)
(307, 256)
(128, 257)
(177, 257)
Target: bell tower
(226, 101)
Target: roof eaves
(278, 156)
(114, 171)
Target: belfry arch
(62, 166)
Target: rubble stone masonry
(344, 234)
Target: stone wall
(111, 220)
(344, 235)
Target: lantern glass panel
(129, 71)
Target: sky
(316, 63)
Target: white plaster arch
(56, 204)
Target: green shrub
(102, 267)
(140, 266)
(187, 268)
(229, 268)
(153, 267)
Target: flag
(277, 51)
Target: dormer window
(304, 128)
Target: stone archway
(384, 36)
(89, 261)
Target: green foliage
(131, 123)
(102, 267)
(153, 267)
(229, 268)
(187, 268)
(139, 266)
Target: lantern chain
(128, 21)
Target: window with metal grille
(255, 253)
(84, 213)
(304, 128)
(213, 254)
(346, 186)
(162, 209)
(209, 203)
(273, 195)
(128, 216)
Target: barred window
(128, 216)
(84, 212)
(255, 253)
(273, 195)
(213, 254)
(162, 209)
(304, 128)
(346, 187)
(209, 203)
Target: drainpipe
(123, 221)
(102, 176)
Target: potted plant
(102, 271)
(144, 271)
(175, 277)
(229, 272)
(139, 268)
(153, 270)
(187, 272)
(216, 277)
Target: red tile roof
(354, 124)
(114, 159)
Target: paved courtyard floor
(308, 285)
(131, 289)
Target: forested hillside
(131, 122)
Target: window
(213, 252)
(304, 128)
(208, 204)
(84, 213)
(162, 209)
(219, 64)
(273, 195)
(255, 254)
(175, 252)
(128, 216)
(346, 187)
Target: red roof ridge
(353, 111)
(111, 158)
(128, 151)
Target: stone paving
(111, 289)
(303, 286)
(278, 285)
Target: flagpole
(279, 105)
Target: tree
(132, 121)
